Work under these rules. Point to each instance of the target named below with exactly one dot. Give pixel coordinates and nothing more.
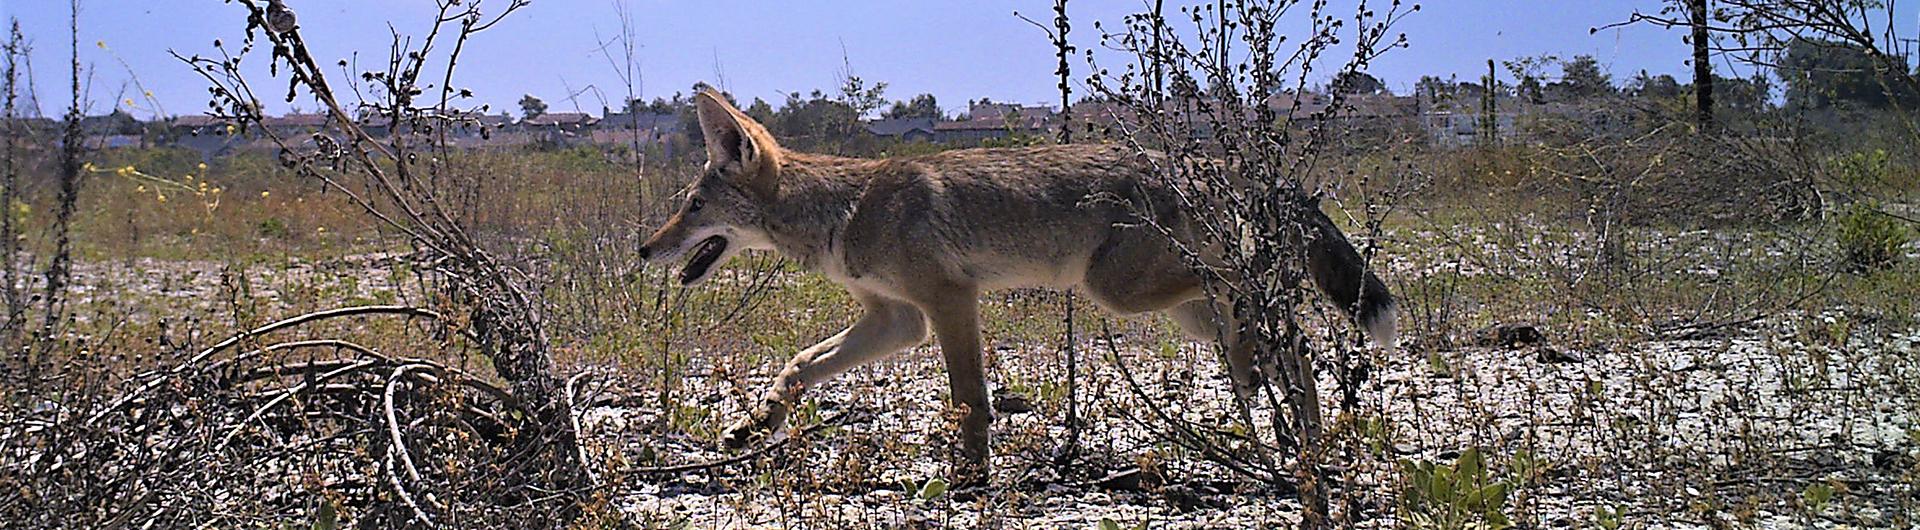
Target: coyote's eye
(695, 204)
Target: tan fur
(917, 240)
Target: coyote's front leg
(886, 328)
(955, 313)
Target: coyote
(916, 240)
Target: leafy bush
(1458, 496)
(1870, 240)
(1862, 170)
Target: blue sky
(955, 50)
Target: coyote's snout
(916, 240)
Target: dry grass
(1737, 424)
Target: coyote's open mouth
(705, 257)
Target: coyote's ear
(734, 138)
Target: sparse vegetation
(1726, 322)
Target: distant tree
(1435, 91)
(660, 106)
(1527, 74)
(863, 99)
(1824, 74)
(815, 120)
(1355, 82)
(921, 106)
(531, 107)
(1800, 39)
(1530, 89)
(1581, 78)
(760, 111)
(1746, 96)
(1661, 86)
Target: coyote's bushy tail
(1339, 271)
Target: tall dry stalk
(12, 128)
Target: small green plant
(1870, 240)
(1439, 366)
(1529, 469)
(932, 489)
(1460, 496)
(1607, 518)
(1817, 495)
(273, 228)
(1377, 434)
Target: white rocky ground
(1677, 433)
(1733, 429)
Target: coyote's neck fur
(817, 196)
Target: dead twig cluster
(1221, 100)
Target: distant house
(620, 127)
(207, 135)
(642, 120)
(119, 122)
(197, 125)
(558, 128)
(563, 121)
(456, 124)
(1100, 112)
(296, 124)
(480, 124)
(1300, 104)
(994, 120)
(905, 129)
(1447, 128)
(1380, 107)
(375, 125)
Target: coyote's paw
(744, 432)
(755, 426)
